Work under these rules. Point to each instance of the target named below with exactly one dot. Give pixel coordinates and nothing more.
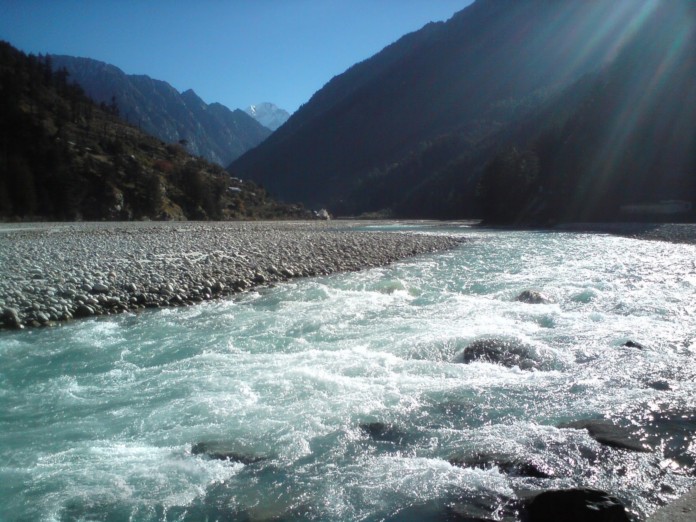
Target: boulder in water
(575, 505)
(457, 508)
(499, 351)
(534, 297)
(633, 344)
(660, 385)
(514, 467)
(383, 432)
(607, 433)
(222, 451)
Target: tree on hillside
(508, 186)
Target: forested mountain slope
(411, 129)
(211, 130)
(64, 158)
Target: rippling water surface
(99, 418)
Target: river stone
(10, 317)
(609, 434)
(575, 505)
(435, 511)
(633, 344)
(660, 385)
(511, 466)
(222, 451)
(383, 432)
(534, 297)
(83, 310)
(99, 288)
(499, 351)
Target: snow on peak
(268, 114)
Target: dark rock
(575, 505)
(83, 310)
(383, 432)
(659, 385)
(222, 451)
(607, 433)
(10, 318)
(633, 344)
(433, 511)
(509, 465)
(534, 297)
(498, 351)
(674, 432)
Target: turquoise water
(98, 418)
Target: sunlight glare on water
(99, 418)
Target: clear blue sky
(236, 52)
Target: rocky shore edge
(55, 272)
(669, 232)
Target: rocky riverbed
(57, 272)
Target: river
(345, 397)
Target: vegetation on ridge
(597, 98)
(64, 158)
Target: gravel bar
(60, 271)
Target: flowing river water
(346, 398)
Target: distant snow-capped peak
(268, 114)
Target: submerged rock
(534, 297)
(633, 344)
(512, 466)
(488, 508)
(607, 433)
(575, 505)
(383, 432)
(660, 385)
(503, 352)
(222, 451)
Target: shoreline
(55, 272)
(669, 232)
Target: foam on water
(98, 418)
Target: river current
(345, 397)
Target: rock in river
(223, 451)
(575, 505)
(534, 297)
(499, 351)
(607, 433)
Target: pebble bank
(57, 272)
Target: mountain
(268, 114)
(62, 157)
(412, 129)
(211, 131)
